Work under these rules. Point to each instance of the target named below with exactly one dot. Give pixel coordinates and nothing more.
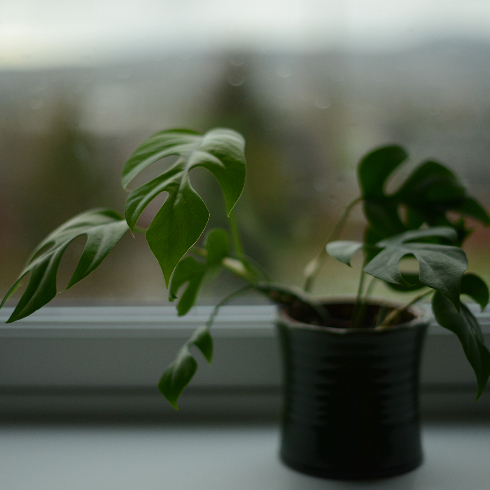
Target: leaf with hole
(103, 229)
(344, 250)
(183, 217)
(426, 195)
(440, 266)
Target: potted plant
(351, 365)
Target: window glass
(311, 84)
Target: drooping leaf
(180, 372)
(281, 294)
(344, 250)
(440, 266)
(192, 272)
(468, 331)
(177, 376)
(183, 217)
(291, 296)
(204, 342)
(103, 229)
(176, 227)
(476, 288)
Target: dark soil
(339, 315)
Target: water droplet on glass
(236, 80)
(37, 103)
(237, 61)
(42, 84)
(322, 102)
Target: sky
(59, 32)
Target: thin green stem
(369, 289)
(362, 302)
(241, 267)
(390, 319)
(225, 300)
(358, 309)
(313, 267)
(235, 234)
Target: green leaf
(343, 250)
(472, 208)
(217, 246)
(440, 266)
(183, 217)
(435, 232)
(431, 182)
(476, 288)
(280, 294)
(176, 228)
(373, 172)
(180, 372)
(433, 190)
(291, 296)
(204, 342)
(383, 217)
(375, 168)
(191, 272)
(412, 283)
(103, 229)
(177, 376)
(426, 196)
(468, 331)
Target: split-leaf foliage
(425, 219)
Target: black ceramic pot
(351, 396)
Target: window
(311, 85)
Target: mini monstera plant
(426, 219)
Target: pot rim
(421, 317)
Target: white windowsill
(211, 457)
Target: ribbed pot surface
(351, 399)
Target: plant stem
(369, 289)
(361, 303)
(225, 300)
(313, 267)
(398, 311)
(359, 309)
(235, 234)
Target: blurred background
(312, 85)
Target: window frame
(106, 361)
